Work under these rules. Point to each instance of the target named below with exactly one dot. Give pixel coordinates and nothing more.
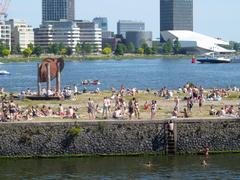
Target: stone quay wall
(115, 137)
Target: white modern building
(56, 32)
(21, 33)
(5, 34)
(91, 34)
(197, 43)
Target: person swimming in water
(204, 163)
(149, 164)
(206, 151)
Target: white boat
(1, 63)
(212, 59)
(4, 72)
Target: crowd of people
(197, 95)
(122, 104)
(116, 106)
(11, 111)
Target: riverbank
(110, 137)
(95, 57)
(164, 106)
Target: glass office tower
(102, 23)
(54, 10)
(176, 15)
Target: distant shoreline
(95, 57)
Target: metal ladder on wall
(170, 140)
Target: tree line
(168, 47)
(55, 48)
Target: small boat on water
(1, 63)
(4, 72)
(214, 60)
(90, 82)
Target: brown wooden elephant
(53, 68)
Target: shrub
(107, 51)
(140, 51)
(74, 132)
(27, 52)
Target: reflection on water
(133, 73)
(180, 167)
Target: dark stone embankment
(116, 137)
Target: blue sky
(218, 18)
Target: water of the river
(121, 168)
(142, 74)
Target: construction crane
(4, 4)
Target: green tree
(2, 47)
(53, 49)
(30, 46)
(5, 52)
(168, 47)
(145, 46)
(63, 51)
(37, 50)
(69, 51)
(120, 49)
(107, 45)
(131, 48)
(176, 46)
(86, 48)
(236, 46)
(27, 52)
(140, 51)
(94, 48)
(148, 51)
(78, 49)
(107, 51)
(61, 46)
(154, 50)
(16, 49)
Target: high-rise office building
(176, 15)
(102, 23)
(54, 10)
(21, 33)
(124, 26)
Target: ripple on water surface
(163, 167)
(142, 74)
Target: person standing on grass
(153, 109)
(189, 104)
(130, 109)
(200, 103)
(105, 108)
(177, 103)
(136, 109)
(91, 109)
